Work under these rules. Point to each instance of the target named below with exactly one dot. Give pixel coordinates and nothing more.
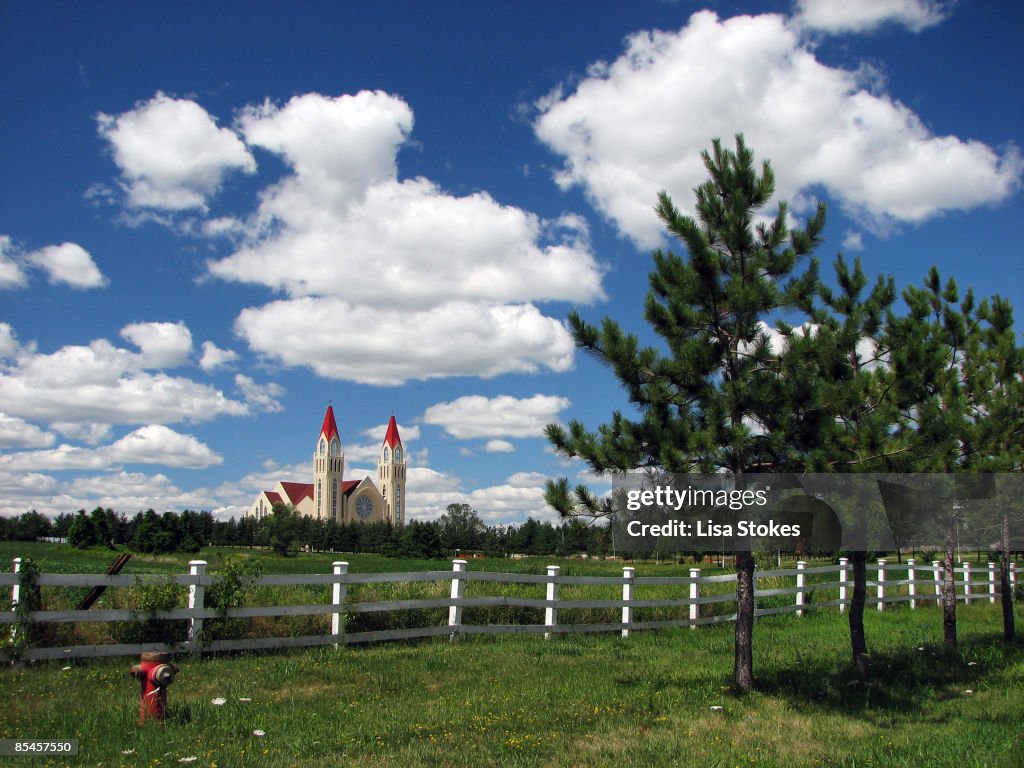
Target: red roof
(298, 491)
(392, 436)
(330, 427)
(273, 497)
(347, 486)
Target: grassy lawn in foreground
(569, 701)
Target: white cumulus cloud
(379, 346)
(262, 397)
(426, 284)
(171, 154)
(214, 357)
(499, 446)
(475, 416)
(18, 433)
(11, 273)
(151, 444)
(864, 15)
(100, 383)
(638, 125)
(68, 263)
(161, 345)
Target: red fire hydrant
(155, 673)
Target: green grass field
(569, 701)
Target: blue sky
(216, 218)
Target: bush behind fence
(239, 608)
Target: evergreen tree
(853, 385)
(81, 534)
(714, 400)
(932, 349)
(996, 378)
(461, 527)
(280, 528)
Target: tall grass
(570, 701)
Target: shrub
(231, 590)
(145, 599)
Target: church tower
(391, 475)
(328, 470)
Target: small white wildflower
(127, 751)
(920, 647)
(244, 699)
(190, 759)
(968, 692)
(717, 708)
(972, 663)
(65, 669)
(258, 732)
(218, 702)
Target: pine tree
(714, 398)
(933, 347)
(996, 378)
(853, 391)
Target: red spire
(330, 427)
(392, 435)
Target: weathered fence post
(967, 582)
(1013, 577)
(937, 573)
(339, 592)
(196, 604)
(694, 597)
(628, 574)
(844, 562)
(991, 582)
(458, 589)
(15, 595)
(551, 612)
(801, 581)
(912, 583)
(881, 585)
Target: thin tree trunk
(1009, 632)
(949, 594)
(743, 667)
(858, 641)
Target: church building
(331, 497)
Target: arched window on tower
(385, 454)
(398, 454)
(323, 447)
(335, 447)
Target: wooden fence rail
(892, 583)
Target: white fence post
(881, 585)
(196, 603)
(15, 595)
(1013, 577)
(967, 582)
(801, 581)
(694, 597)
(912, 583)
(843, 563)
(937, 572)
(628, 574)
(339, 592)
(991, 582)
(458, 590)
(551, 613)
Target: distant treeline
(459, 530)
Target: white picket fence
(892, 583)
